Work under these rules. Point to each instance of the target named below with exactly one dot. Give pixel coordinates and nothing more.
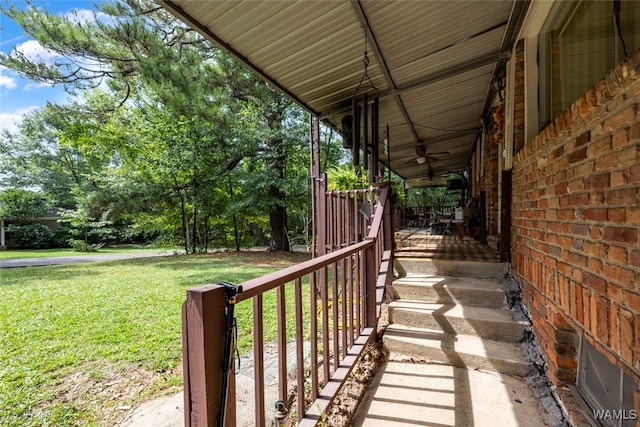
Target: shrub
(30, 236)
(82, 246)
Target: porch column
(2, 241)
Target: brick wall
(576, 226)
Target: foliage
(91, 234)
(83, 246)
(30, 236)
(346, 177)
(22, 206)
(179, 143)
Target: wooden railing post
(203, 354)
(371, 278)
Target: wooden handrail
(362, 283)
(270, 281)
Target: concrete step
(456, 319)
(457, 350)
(450, 290)
(435, 267)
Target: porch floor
(418, 242)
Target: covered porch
(410, 92)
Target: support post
(2, 238)
(203, 340)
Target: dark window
(581, 42)
(605, 388)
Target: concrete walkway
(410, 392)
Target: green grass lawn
(41, 253)
(81, 344)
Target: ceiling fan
(424, 157)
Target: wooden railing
(345, 290)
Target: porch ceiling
(431, 61)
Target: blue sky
(20, 96)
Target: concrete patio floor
(406, 392)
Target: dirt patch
(343, 409)
(105, 394)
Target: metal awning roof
(431, 61)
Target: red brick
(620, 120)
(595, 265)
(633, 301)
(617, 214)
(634, 131)
(595, 214)
(583, 139)
(620, 138)
(596, 199)
(621, 234)
(579, 305)
(614, 292)
(617, 254)
(599, 147)
(634, 174)
(625, 197)
(579, 199)
(634, 258)
(577, 155)
(626, 335)
(598, 182)
(577, 259)
(593, 309)
(561, 189)
(614, 328)
(620, 275)
(606, 162)
(595, 249)
(586, 305)
(619, 178)
(580, 229)
(593, 282)
(628, 156)
(633, 215)
(596, 232)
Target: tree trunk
(236, 233)
(278, 221)
(194, 229)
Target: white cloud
(7, 82)
(81, 16)
(10, 121)
(32, 49)
(36, 85)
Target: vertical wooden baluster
(314, 335)
(282, 343)
(299, 347)
(334, 306)
(258, 360)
